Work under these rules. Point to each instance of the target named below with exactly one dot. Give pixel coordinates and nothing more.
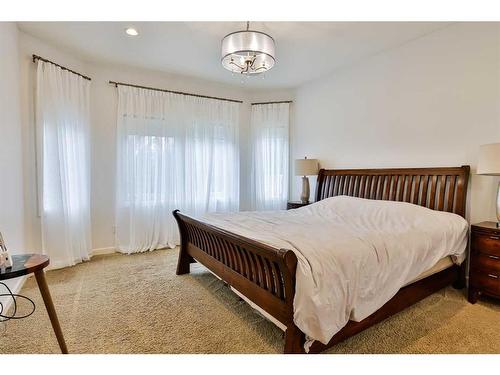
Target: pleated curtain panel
(270, 155)
(173, 152)
(62, 120)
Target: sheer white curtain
(62, 116)
(269, 133)
(174, 151)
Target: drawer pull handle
(494, 237)
(493, 257)
(492, 276)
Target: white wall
(430, 102)
(11, 157)
(103, 124)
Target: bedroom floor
(136, 304)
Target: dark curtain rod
(283, 101)
(36, 57)
(173, 92)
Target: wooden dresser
(484, 274)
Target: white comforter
(353, 254)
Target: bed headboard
(442, 189)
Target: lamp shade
(248, 52)
(306, 167)
(489, 160)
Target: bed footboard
(262, 273)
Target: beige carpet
(136, 304)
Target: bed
(266, 276)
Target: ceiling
(304, 50)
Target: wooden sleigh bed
(266, 276)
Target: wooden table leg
(47, 299)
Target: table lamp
(306, 167)
(489, 165)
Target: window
(174, 152)
(270, 159)
(62, 114)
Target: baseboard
(103, 251)
(15, 285)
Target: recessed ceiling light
(131, 31)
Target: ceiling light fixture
(131, 31)
(248, 52)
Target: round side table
(35, 263)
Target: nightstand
(484, 274)
(296, 204)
